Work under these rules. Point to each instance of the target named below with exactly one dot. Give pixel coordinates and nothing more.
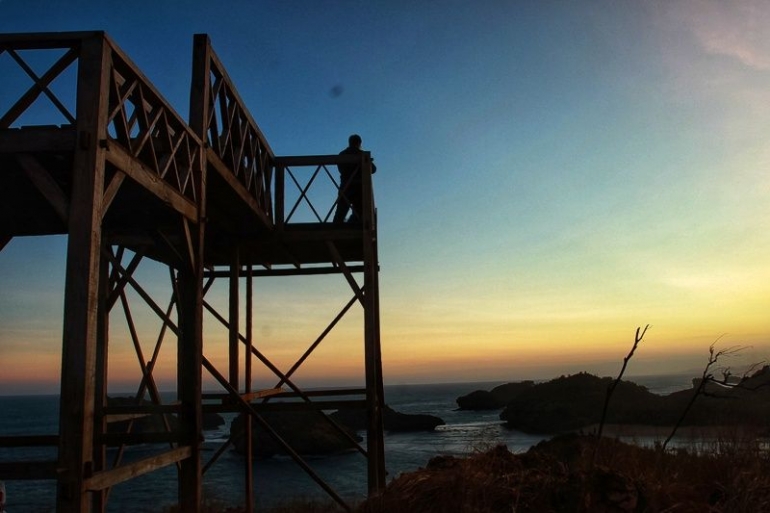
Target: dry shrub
(209, 506)
(306, 506)
(496, 480)
(293, 506)
(560, 475)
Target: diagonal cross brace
(286, 447)
(40, 86)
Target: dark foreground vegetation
(573, 473)
(567, 474)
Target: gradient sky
(551, 175)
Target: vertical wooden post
(249, 503)
(373, 360)
(200, 87)
(234, 326)
(280, 181)
(234, 304)
(100, 424)
(189, 362)
(190, 357)
(190, 301)
(81, 290)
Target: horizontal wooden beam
(325, 392)
(319, 232)
(124, 409)
(331, 392)
(302, 271)
(116, 439)
(150, 180)
(123, 417)
(27, 470)
(108, 478)
(260, 394)
(38, 139)
(350, 404)
(42, 40)
(29, 441)
(317, 160)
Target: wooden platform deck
(36, 178)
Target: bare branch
(706, 377)
(611, 389)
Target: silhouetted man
(350, 196)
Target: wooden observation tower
(127, 180)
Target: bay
(279, 479)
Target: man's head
(354, 141)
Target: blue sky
(551, 175)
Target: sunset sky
(551, 175)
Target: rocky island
(392, 420)
(493, 399)
(308, 433)
(575, 402)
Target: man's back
(348, 171)
(350, 194)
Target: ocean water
(280, 479)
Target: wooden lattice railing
(21, 50)
(141, 128)
(146, 126)
(307, 188)
(232, 135)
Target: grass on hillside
(560, 476)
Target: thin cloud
(737, 30)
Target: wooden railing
(152, 144)
(24, 50)
(142, 123)
(233, 138)
(147, 139)
(308, 188)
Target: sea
(280, 479)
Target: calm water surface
(279, 479)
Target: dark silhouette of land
(571, 403)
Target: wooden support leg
(100, 395)
(249, 471)
(189, 361)
(234, 309)
(81, 291)
(373, 367)
(76, 422)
